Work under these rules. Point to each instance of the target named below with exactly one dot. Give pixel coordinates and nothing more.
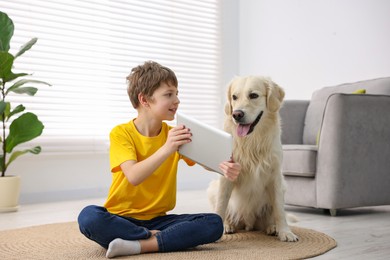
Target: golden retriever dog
(255, 201)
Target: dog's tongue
(242, 130)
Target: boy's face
(165, 101)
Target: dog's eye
(234, 97)
(253, 96)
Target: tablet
(209, 147)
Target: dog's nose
(238, 115)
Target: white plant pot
(9, 193)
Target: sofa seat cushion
(299, 160)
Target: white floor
(362, 233)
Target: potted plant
(17, 126)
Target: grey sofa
(336, 147)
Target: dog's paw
(229, 229)
(271, 230)
(287, 236)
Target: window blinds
(86, 49)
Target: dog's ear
(228, 106)
(275, 96)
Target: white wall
(307, 44)
(62, 177)
(230, 40)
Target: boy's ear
(143, 100)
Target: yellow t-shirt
(154, 196)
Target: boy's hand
(177, 136)
(230, 169)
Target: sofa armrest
(353, 163)
(292, 115)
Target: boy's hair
(146, 79)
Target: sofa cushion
(299, 160)
(319, 98)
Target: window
(86, 49)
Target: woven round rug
(64, 241)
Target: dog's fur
(255, 201)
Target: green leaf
(6, 62)
(13, 76)
(6, 110)
(21, 82)
(6, 31)
(18, 109)
(2, 107)
(26, 90)
(23, 129)
(1, 163)
(26, 47)
(16, 154)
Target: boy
(144, 160)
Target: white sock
(120, 247)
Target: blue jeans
(178, 232)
